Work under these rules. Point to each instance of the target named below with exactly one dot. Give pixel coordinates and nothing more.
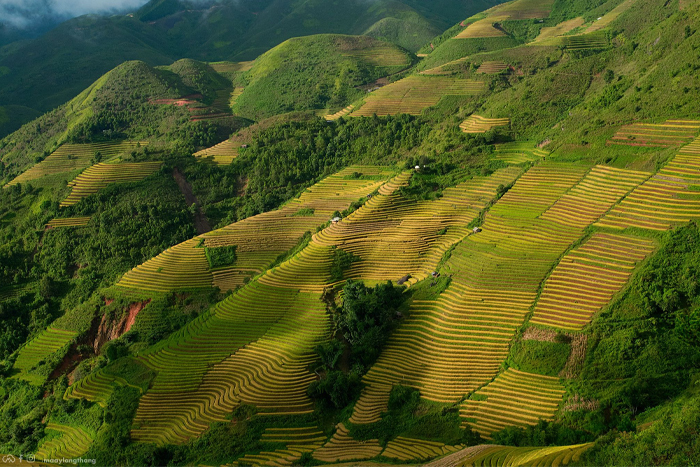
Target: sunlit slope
(414, 94)
(259, 239)
(483, 33)
(514, 398)
(456, 343)
(395, 237)
(251, 326)
(255, 347)
(100, 175)
(519, 9)
(497, 456)
(668, 198)
(35, 351)
(587, 278)
(316, 72)
(297, 323)
(72, 442)
(70, 157)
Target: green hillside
(133, 101)
(46, 72)
(342, 253)
(316, 72)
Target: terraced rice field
(479, 124)
(12, 291)
(519, 152)
(70, 157)
(181, 267)
(552, 35)
(342, 447)
(519, 9)
(493, 67)
(297, 441)
(220, 107)
(692, 149)
(661, 135)
(539, 189)
(599, 191)
(483, 28)
(514, 398)
(223, 153)
(256, 346)
(341, 113)
(38, 349)
(410, 449)
(461, 457)
(415, 93)
(259, 239)
(611, 16)
(587, 278)
(68, 222)
(525, 9)
(445, 69)
(381, 56)
(455, 344)
(668, 198)
(408, 229)
(497, 456)
(305, 436)
(100, 175)
(72, 443)
(231, 67)
(585, 41)
(235, 94)
(98, 387)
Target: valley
(471, 245)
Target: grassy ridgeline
(315, 73)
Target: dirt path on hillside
(201, 223)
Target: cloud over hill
(26, 13)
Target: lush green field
(316, 72)
(487, 256)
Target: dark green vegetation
(545, 358)
(645, 349)
(365, 321)
(222, 256)
(412, 417)
(669, 437)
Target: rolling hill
(316, 72)
(485, 255)
(44, 73)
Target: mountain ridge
(485, 255)
(46, 72)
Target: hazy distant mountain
(46, 72)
